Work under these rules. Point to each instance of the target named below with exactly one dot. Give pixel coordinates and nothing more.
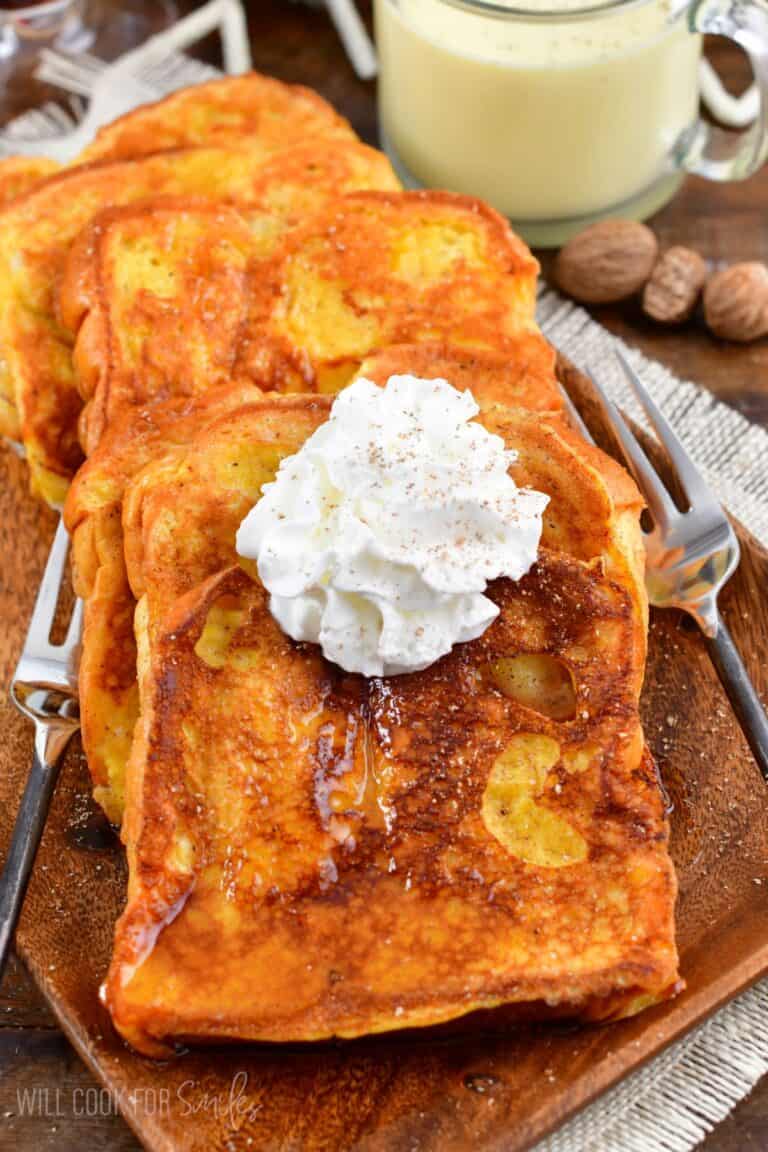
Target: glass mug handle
(713, 152)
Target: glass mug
(57, 22)
(558, 113)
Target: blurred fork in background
(155, 68)
(138, 77)
(353, 35)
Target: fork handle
(50, 741)
(741, 692)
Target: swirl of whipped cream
(378, 538)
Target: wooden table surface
(48, 1099)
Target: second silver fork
(689, 554)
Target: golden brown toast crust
(222, 112)
(521, 376)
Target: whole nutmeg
(670, 295)
(608, 261)
(736, 302)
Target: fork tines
(663, 509)
(41, 661)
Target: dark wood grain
(21, 1003)
(726, 223)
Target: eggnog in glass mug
(560, 112)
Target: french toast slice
(94, 517)
(393, 268)
(298, 315)
(42, 403)
(223, 112)
(139, 276)
(489, 831)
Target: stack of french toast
(314, 853)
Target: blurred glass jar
(556, 112)
(52, 22)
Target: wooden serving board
(478, 1088)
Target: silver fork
(137, 77)
(44, 688)
(690, 555)
(115, 92)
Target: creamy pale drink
(550, 113)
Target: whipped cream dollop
(378, 538)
